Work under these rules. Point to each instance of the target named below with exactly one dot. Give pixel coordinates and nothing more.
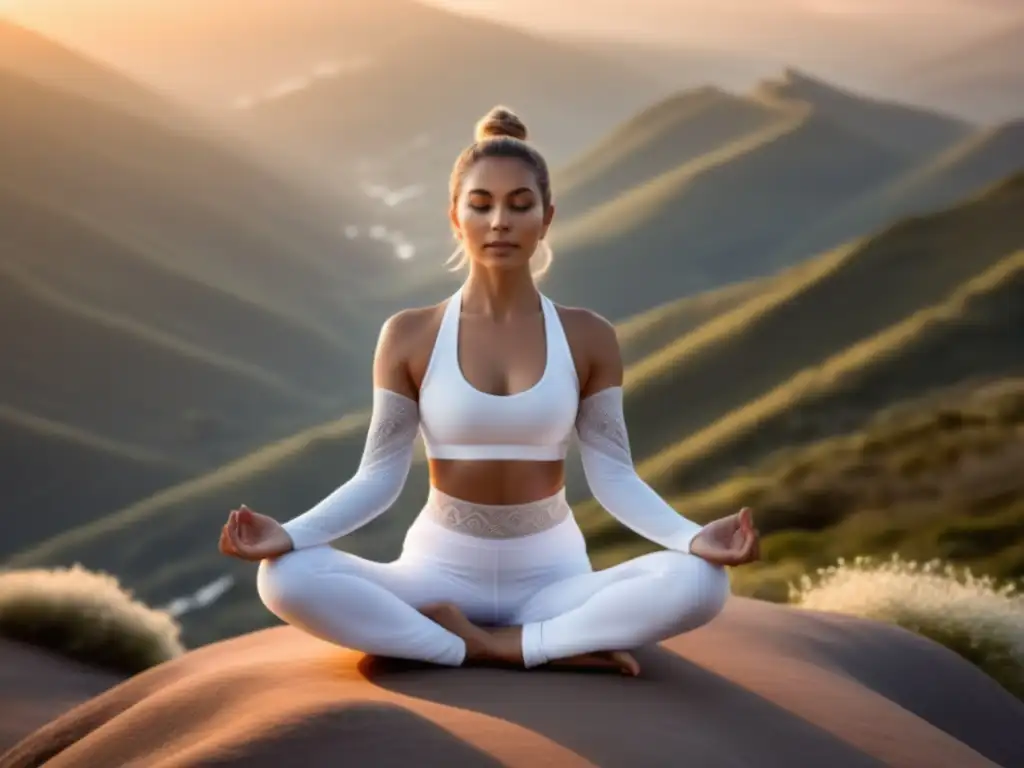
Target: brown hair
(500, 133)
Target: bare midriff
(497, 481)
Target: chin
(510, 262)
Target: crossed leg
(365, 605)
(644, 600)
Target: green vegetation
(882, 318)
(642, 335)
(937, 476)
(185, 330)
(168, 302)
(672, 132)
(715, 219)
(86, 616)
(976, 617)
(910, 131)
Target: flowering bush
(973, 616)
(86, 616)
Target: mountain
(32, 54)
(168, 301)
(982, 80)
(378, 99)
(201, 209)
(647, 332)
(811, 353)
(669, 133)
(280, 478)
(716, 219)
(856, 422)
(911, 131)
(818, 354)
(964, 169)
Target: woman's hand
(731, 540)
(252, 536)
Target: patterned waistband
(496, 521)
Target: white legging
(542, 581)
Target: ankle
(505, 646)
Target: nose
(500, 219)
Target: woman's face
(499, 216)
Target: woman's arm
(387, 453)
(605, 452)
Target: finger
(236, 540)
(753, 549)
(225, 543)
(747, 518)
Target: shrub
(86, 616)
(973, 616)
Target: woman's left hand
(731, 540)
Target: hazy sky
(710, 20)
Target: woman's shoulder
(586, 326)
(409, 326)
(592, 338)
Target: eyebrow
(513, 192)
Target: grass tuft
(974, 616)
(86, 616)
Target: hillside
(714, 220)
(672, 132)
(909, 130)
(305, 84)
(281, 479)
(950, 314)
(747, 360)
(57, 476)
(163, 292)
(937, 476)
(26, 52)
(201, 209)
(644, 334)
(964, 169)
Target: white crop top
(459, 421)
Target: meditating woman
(498, 379)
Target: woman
(498, 379)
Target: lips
(501, 244)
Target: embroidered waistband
(496, 521)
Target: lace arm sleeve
(378, 481)
(608, 465)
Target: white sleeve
(608, 465)
(378, 481)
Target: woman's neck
(499, 293)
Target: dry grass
(974, 616)
(86, 616)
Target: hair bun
(500, 121)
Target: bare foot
(620, 660)
(498, 645)
(504, 644)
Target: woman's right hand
(251, 536)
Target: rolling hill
(30, 53)
(280, 478)
(716, 219)
(968, 166)
(911, 131)
(368, 99)
(197, 207)
(812, 354)
(830, 350)
(168, 301)
(672, 132)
